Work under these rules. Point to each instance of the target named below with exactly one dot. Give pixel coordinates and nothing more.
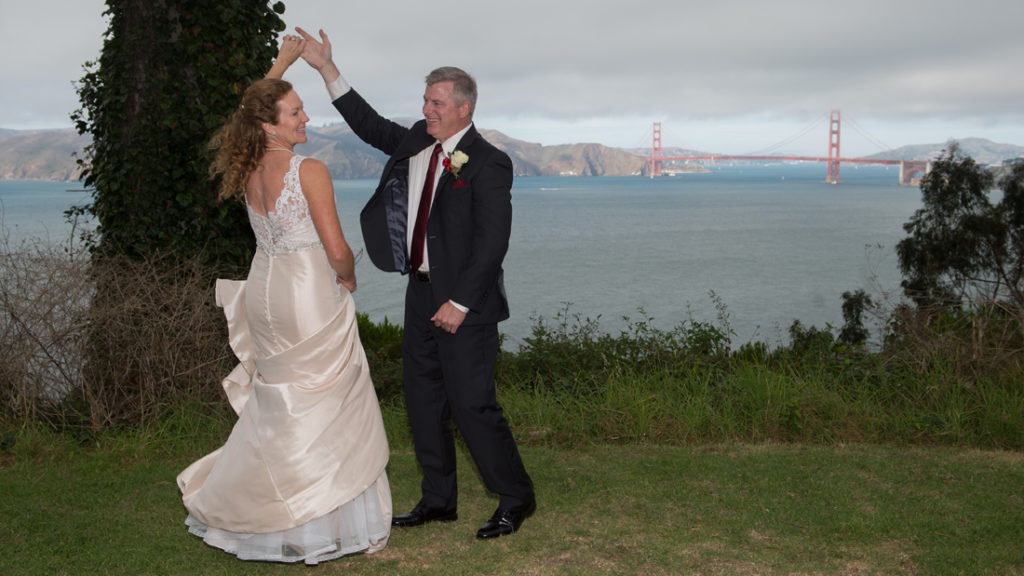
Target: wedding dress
(301, 476)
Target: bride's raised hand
(290, 50)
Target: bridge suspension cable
(882, 146)
(815, 124)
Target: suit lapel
(465, 143)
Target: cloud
(45, 43)
(731, 75)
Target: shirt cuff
(338, 88)
(462, 308)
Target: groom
(447, 228)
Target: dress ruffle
(361, 525)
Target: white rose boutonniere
(454, 163)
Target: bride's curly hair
(241, 143)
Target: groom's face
(443, 117)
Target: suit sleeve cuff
(338, 88)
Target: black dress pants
(450, 377)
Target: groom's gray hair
(464, 86)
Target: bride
(302, 475)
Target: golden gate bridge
(911, 171)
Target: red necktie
(419, 231)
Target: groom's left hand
(448, 318)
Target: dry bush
(155, 339)
(44, 297)
(987, 342)
(94, 342)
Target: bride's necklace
(281, 149)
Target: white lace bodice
(289, 227)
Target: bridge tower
(833, 148)
(656, 150)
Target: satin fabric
(309, 441)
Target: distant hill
(40, 154)
(48, 154)
(346, 156)
(983, 151)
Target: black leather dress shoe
(506, 521)
(422, 514)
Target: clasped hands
(316, 53)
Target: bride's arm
(319, 192)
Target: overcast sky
(730, 76)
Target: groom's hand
(448, 318)
(317, 54)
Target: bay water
(773, 244)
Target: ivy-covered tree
(169, 74)
(963, 249)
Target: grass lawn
(716, 509)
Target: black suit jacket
(470, 221)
